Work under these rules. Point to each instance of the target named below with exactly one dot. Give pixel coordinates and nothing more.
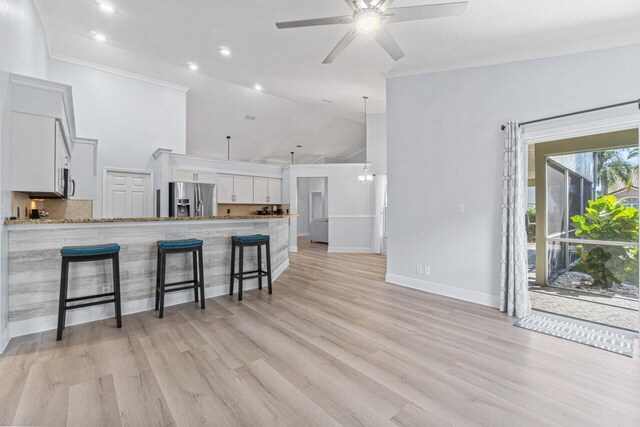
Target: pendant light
(365, 175)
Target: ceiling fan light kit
(372, 19)
(368, 21)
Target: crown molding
(118, 72)
(530, 55)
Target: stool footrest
(181, 283)
(183, 288)
(89, 304)
(108, 294)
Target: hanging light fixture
(365, 175)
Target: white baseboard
(350, 249)
(293, 249)
(303, 234)
(448, 291)
(4, 338)
(91, 314)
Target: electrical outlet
(419, 269)
(427, 270)
(460, 207)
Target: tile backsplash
(57, 208)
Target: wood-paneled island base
(34, 263)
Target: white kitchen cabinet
(225, 188)
(267, 191)
(274, 191)
(260, 190)
(39, 155)
(243, 189)
(193, 175)
(236, 189)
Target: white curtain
(378, 219)
(514, 292)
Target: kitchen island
(34, 262)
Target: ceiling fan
(370, 16)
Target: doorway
(583, 227)
(313, 211)
(127, 194)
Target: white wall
(377, 142)
(23, 50)
(444, 135)
(84, 170)
(130, 118)
(350, 205)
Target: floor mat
(603, 337)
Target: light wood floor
(333, 345)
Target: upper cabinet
(267, 191)
(275, 191)
(39, 155)
(260, 190)
(241, 189)
(193, 175)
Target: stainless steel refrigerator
(192, 199)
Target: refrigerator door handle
(198, 200)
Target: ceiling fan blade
(388, 43)
(352, 4)
(413, 13)
(334, 20)
(340, 47)
(384, 4)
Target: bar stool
(242, 242)
(173, 247)
(82, 254)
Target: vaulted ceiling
(288, 63)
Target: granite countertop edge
(152, 219)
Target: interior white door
(128, 195)
(243, 189)
(260, 190)
(225, 188)
(275, 191)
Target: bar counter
(35, 262)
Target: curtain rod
(591, 110)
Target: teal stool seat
(180, 244)
(256, 238)
(106, 249)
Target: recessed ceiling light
(257, 86)
(193, 66)
(98, 36)
(106, 7)
(224, 51)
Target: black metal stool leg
(259, 266)
(158, 280)
(240, 272)
(163, 269)
(62, 312)
(233, 267)
(195, 275)
(201, 277)
(116, 288)
(269, 266)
